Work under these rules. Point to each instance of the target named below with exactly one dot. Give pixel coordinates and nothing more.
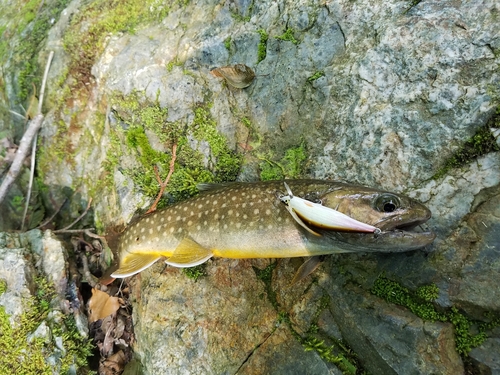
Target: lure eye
(387, 203)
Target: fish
(249, 220)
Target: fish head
(400, 219)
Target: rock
(392, 340)
(281, 353)
(24, 291)
(208, 326)
(486, 357)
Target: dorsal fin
(209, 186)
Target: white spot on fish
(225, 226)
(230, 212)
(172, 230)
(178, 218)
(179, 230)
(224, 205)
(185, 208)
(270, 226)
(256, 211)
(198, 227)
(169, 218)
(200, 205)
(205, 223)
(147, 220)
(216, 216)
(158, 228)
(190, 223)
(268, 212)
(238, 225)
(253, 196)
(143, 230)
(237, 214)
(214, 202)
(233, 198)
(243, 205)
(162, 219)
(245, 216)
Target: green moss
(262, 47)
(315, 76)
(479, 144)
(195, 272)
(142, 115)
(3, 286)
(33, 22)
(227, 43)
(87, 35)
(226, 163)
(23, 356)
(328, 354)
(265, 275)
(419, 304)
(289, 166)
(288, 36)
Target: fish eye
(387, 203)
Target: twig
(50, 218)
(33, 151)
(164, 184)
(72, 231)
(26, 141)
(65, 229)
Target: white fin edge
(130, 271)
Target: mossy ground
(291, 165)
(468, 332)
(22, 356)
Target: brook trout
(249, 220)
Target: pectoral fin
(189, 253)
(308, 267)
(134, 263)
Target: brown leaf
(101, 305)
(239, 75)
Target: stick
(164, 184)
(65, 229)
(26, 141)
(33, 151)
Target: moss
(479, 144)
(262, 47)
(315, 76)
(288, 36)
(419, 304)
(328, 354)
(3, 286)
(195, 272)
(265, 275)
(227, 43)
(23, 356)
(141, 115)
(289, 166)
(32, 22)
(86, 37)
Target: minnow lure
(321, 216)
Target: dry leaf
(101, 305)
(239, 75)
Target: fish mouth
(417, 229)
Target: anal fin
(189, 253)
(134, 263)
(308, 267)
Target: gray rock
(486, 357)
(392, 340)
